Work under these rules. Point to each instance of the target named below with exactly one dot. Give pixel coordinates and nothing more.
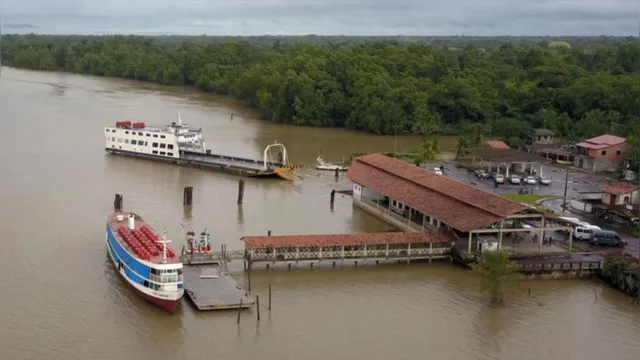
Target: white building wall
(357, 191)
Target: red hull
(169, 306)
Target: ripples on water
(62, 298)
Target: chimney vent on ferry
(132, 221)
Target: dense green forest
(498, 88)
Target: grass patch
(526, 198)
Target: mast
(164, 242)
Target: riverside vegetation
(499, 89)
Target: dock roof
(391, 238)
(456, 204)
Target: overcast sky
(323, 17)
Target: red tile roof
(620, 188)
(456, 204)
(601, 142)
(252, 242)
(497, 144)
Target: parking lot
(578, 181)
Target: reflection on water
(64, 300)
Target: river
(61, 297)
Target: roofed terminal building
(414, 199)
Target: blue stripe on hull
(120, 254)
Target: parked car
(544, 180)
(438, 171)
(514, 179)
(585, 232)
(482, 174)
(499, 179)
(607, 238)
(530, 180)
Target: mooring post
(333, 195)
(258, 305)
(268, 232)
(337, 173)
(249, 273)
(187, 196)
(240, 191)
(117, 203)
(269, 297)
(239, 311)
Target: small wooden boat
(323, 165)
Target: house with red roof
(601, 153)
(621, 194)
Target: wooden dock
(209, 286)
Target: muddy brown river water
(61, 297)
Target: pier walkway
(208, 284)
(402, 246)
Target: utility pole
(566, 183)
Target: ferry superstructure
(179, 143)
(144, 260)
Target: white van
(584, 232)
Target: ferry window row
(139, 133)
(155, 152)
(142, 143)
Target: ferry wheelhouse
(144, 260)
(181, 144)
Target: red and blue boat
(144, 260)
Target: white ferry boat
(180, 144)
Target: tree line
(577, 89)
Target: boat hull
(236, 169)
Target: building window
(146, 143)
(162, 153)
(170, 146)
(140, 134)
(113, 139)
(618, 152)
(162, 136)
(119, 140)
(154, 145)
(154, 152)
(148, 134)
(162, 145)
(134, 142)
(126, 141)
(604, 152)
(170, 154)
(155, 136)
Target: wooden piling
(337, 173)
(187, 196)
(269, 297)
(258, 306)
(239, 311)
(249, 273)
(117, 203)
(268, 232)
(333, 195)
(240, 191)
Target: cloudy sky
(325, 17)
